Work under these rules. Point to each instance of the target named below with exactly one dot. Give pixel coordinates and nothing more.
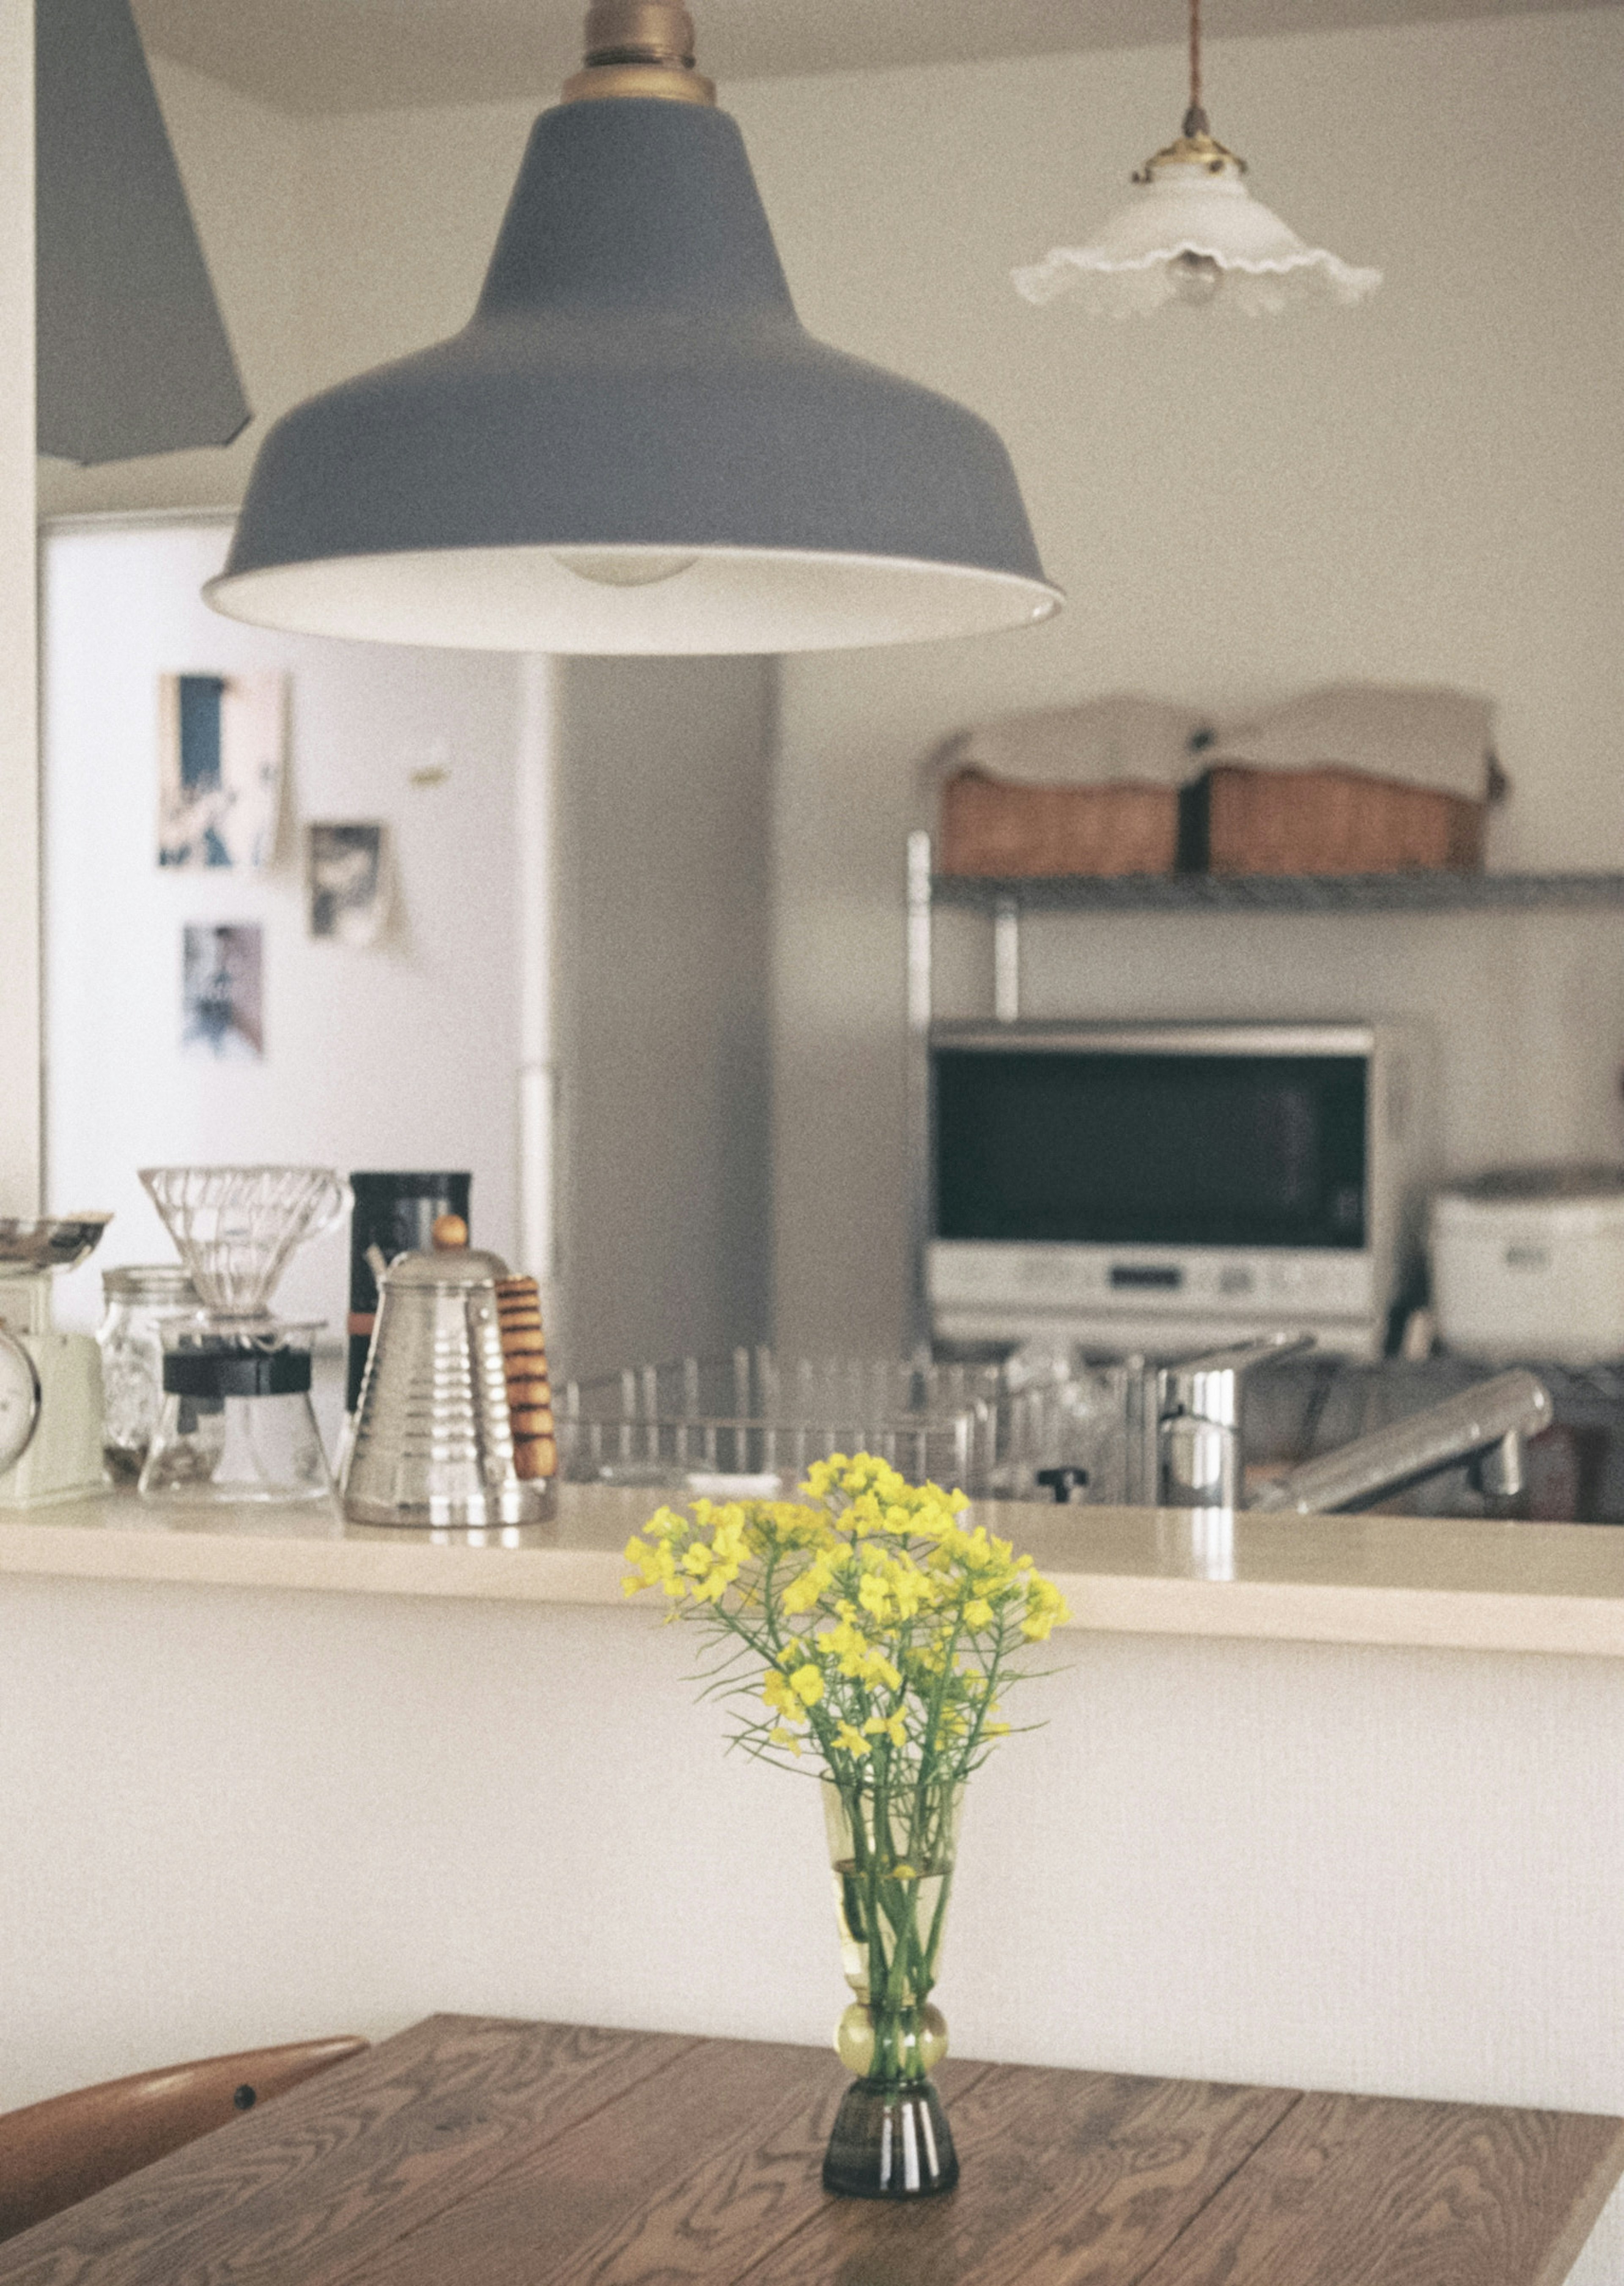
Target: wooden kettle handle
(530, 1396)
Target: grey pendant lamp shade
(633, 447)
(132, 354)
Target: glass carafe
(237, 1423)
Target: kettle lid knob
(449, 1234)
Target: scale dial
(19, 1400)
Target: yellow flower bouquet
(867, 1634)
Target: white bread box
(1528, 1263)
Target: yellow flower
(728, 1540)
(1045, 1609)
(859, 1593)
(910, 1587)
(820, 1477)
(804, 1594)
(651, 1565)
(864, 1517)
(874, 1595)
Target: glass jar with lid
(140, 1299)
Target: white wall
(401, 1054)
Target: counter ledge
(1428, 1582)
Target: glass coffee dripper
(237, 1423)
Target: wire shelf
(1286, 892)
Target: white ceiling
(355, 55)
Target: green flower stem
(883, 1912)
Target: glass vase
(893, 1855)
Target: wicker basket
(1239, 820)
(996, 827)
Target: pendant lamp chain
(1196, 118)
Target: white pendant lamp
(633, 447)
(1193, 233)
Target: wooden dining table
(474, 2151)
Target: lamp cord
(1196, 118)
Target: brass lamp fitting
(1195, 146)
(1192, 151)
(639, 47)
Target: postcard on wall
(222, 972)
(347, 883)
(220, 745)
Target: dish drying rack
(753, 1423)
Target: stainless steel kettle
(454, 1425)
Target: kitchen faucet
(1199, 1446)
(1199, 1402)
(1485, 1425)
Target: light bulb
(623, 567)
(1196, 277)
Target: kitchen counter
(1435, 1582)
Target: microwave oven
(1166, 1187)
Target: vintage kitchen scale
(49, 1381)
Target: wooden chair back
(55, 2153)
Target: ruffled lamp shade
(1191, 232)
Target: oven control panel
(1072, 1280)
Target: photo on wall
(347, 880)
(222, 973)
(221, 739)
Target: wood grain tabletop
(471, 2151)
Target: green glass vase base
(891, 2140)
